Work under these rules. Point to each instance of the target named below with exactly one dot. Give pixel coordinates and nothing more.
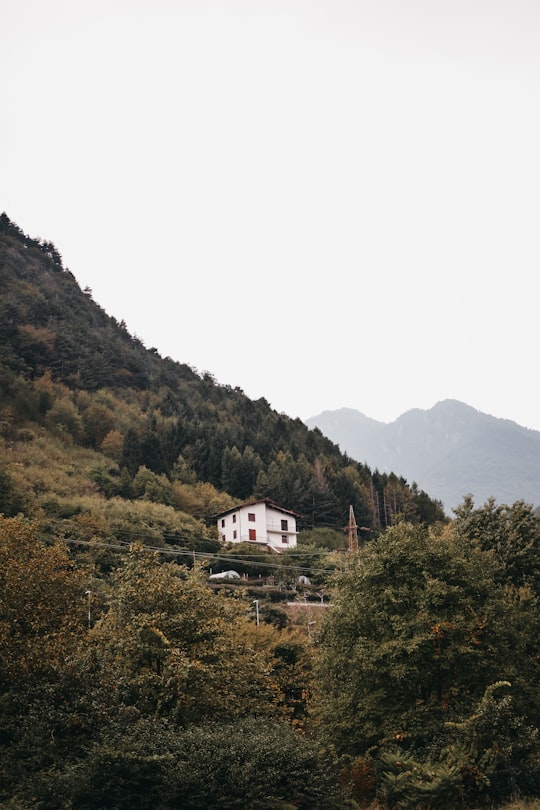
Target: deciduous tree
(412, 641)
(173, 648)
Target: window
(284, 525)
(223, 523)
(234, 534)
(223, 538)
(251, 517)
(253, 534)
(284, 538)
(234, 518)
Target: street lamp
(88, 595)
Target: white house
(259, 522)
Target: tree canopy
(419, 632)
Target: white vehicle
(224, 575)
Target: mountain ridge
(451, 450)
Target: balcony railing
(276, 527)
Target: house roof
(268, 501)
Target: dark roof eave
(268, 501)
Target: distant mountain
(450, 451)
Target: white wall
(267, 526)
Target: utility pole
(353, 531)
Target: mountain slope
(159, 431)
(450, 451)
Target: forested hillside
(68, 370)
(402, 674)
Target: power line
(202, 555)
(171, 535)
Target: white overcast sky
(328, 203)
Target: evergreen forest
(397, 672)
